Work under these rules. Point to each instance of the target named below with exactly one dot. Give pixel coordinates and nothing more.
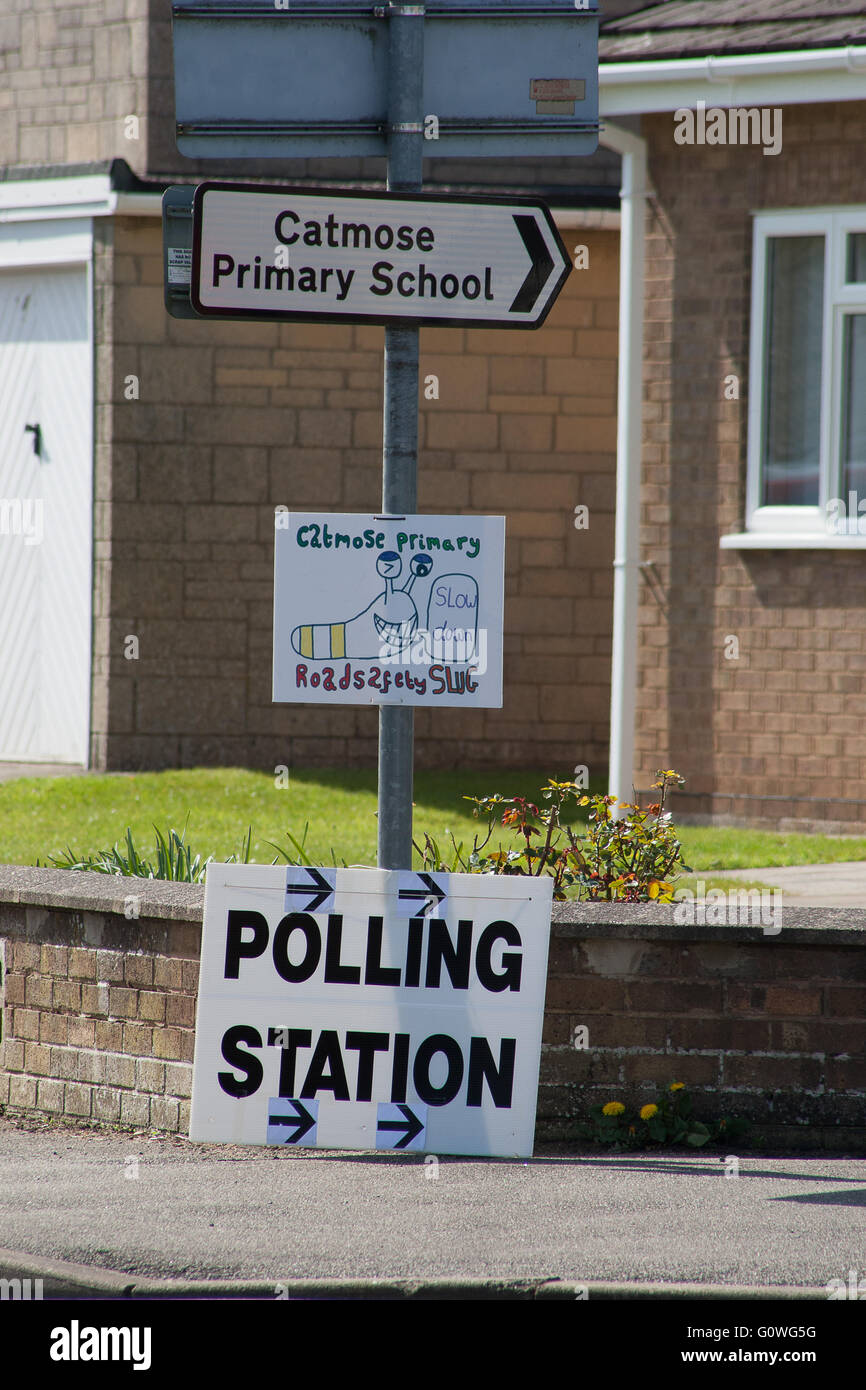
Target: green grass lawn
(39, 817)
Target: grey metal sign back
(285, 79)
(177, 250)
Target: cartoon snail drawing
(383, 629)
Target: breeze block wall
(98, 1010)
(73, 71)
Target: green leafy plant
(666, 1122)
(633, 857)
(173, 858)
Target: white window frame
(806, 526)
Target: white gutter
(626, 562)
(777, 79)
(88, 195)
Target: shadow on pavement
(628, 1165)
(856, 1197)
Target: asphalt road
(162, 1207)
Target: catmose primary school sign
(278, 252)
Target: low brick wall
(99, 981)
(768, 1027)
(98, 1004)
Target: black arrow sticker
(430, 891)
(542, 264)
(410, 1127)
(302, 1120)
(319, 887)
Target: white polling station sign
(344, 257)
(388, 611)
(405, 1012)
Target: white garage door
(46, 502)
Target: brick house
(156, 449)
(734, 614)
(746, 638)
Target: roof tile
(700, 28)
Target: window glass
(856, 258)
(792, 423)
(854, 406)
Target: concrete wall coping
(89, 892)
(183, 902)
(824, 926)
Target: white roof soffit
(91, 195)
(775, 79)
(88, 195)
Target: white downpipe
(626, 563)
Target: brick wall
(98, 1010)
(767, 1027)
(72, 71)
(233, 419)
(776, 734)
(101, 1035)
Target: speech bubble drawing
(452, 617)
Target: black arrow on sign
(431, 891)
(411, 1126)
(304, 1120)
(321, 884)
(542, 264)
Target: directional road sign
(338, 257)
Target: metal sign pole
(400, 440)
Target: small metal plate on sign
(557, 89)
(556, 96)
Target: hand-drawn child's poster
(388, 611)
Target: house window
(807, 394)
(792, 371)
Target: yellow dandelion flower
(678, 1086)
(648, 1111)
(613, 1107)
